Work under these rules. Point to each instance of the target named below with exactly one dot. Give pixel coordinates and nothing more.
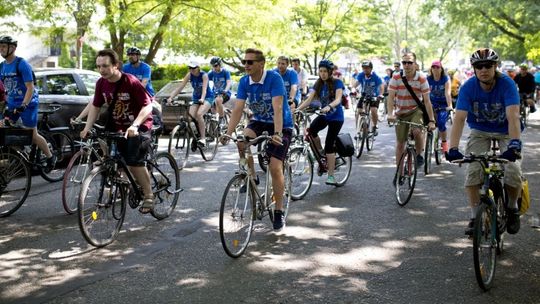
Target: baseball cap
(436, 63)
(193, 64)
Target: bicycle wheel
(212, 139)
(15, 182)
(102, 207)
(361, 137)
(179, 141)
(236, 217)
(437, 149)
(369, 141)
(406, 177)
(261, 155)
(78, 168)
(165, 181)
(61, 146)
(484, 246)
(301, 169)
(428, 152)
(342, 170)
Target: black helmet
(133, 50)
(484, 55)
(367, 63)
(6, 39)
(325, 63)
(215, 61)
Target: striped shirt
(404, 102)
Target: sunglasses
(248, 62)
(487, 65)
(191, 68)
(407, 62)
(435, 67)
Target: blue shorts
(211, 101)
(441, 118)
(276, 151)
(28, 116)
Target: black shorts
(373, 102)
(276, 151)
(134, 149)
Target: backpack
(18, 63)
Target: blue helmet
(325, 63)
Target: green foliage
(65, 59)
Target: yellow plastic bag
(525, 200)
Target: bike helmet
(6, 39)
(325, 63)
(215, 61)
(367, 63)
(484, 55)
(133, 50)
(524, 66)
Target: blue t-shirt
(259, 98)
(15, 85)
(436, 95)
(537, 77)
(325, 98)
(290, 78)
(141, 72)
(371, 85)
(197, 84)
(220, 81)
(487, 110)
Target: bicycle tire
(164, 173)
(102, 203)
(208, 152)
(300, 164)
(179, 144)
(261, 155)
(428, 153)
(342, 170)
(406, 177)
(370, 141)
(363, 137)
(484, 247)
(437, 151)
(15, 182)
(236, 217)
(62, 146)
(77, 169)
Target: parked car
(171, 114)
(73, 89)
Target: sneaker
(331, 180)
(513, 221)
(279, 220)
(470, 228)
(374, 131)
(419, 160)
(50, 163)
(444, 146)
(243, 189)
(533, 108)
(201, 143)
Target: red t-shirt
(132, 97)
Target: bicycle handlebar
(414, 124)
(263, 136)
(482, 158)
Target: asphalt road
(341, 245)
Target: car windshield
(171, 86)
(90, 82)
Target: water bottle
(113, 149)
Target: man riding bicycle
(130, 109)
(372, 89)
(222, 85)
(489, 101)
(264, 92)
(526, 85)
(290, 79)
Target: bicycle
(184, 138)
(108, 187)
(239, 209)
(364, 134)
(524, 108)
(382, 110)
(434, 146)
(406, 171)
(490, 221)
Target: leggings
(333, 130)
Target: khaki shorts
(402, 130)
(480, 142)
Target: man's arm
(277, 105)
(457, 128)
(236, 115)
(294, 89)
(514, 124)
(29, 92)
(180, 87)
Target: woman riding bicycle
(441, 99)
(329, 91)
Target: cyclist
(22, 96)
(290, 79)
(397, 67)
(407, 108)
(489, 101)
(441, 100)
(202, 99)
(139, 69)
(131, 113)
(372, 89)
(302, 77)
(264, 92)
(525, 82)
(537, 82)
(222, 85)
(454, 86)
(329, 91)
